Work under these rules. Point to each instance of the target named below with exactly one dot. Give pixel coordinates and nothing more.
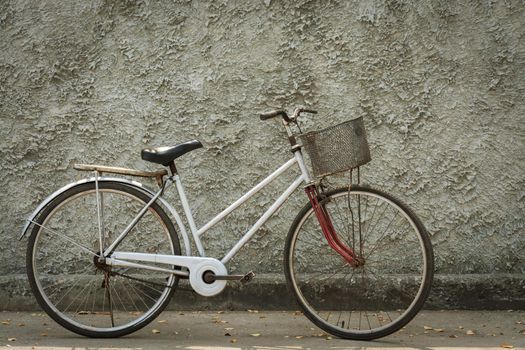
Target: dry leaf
(461, 327)
(228, 329)
(328, 338)
(162, 321)
(11, 339)
(43, 334)
(299, 337)
(220, 312)
(470, 332)
(452, 336)
(439, 330)
(81, 312)
(427, 328)
(255, 334)
(506, 345)
(21, 325)
(297, 313)
(233, 340)
(227, 335)
(7, 323)
(253, 311)
(155, 331)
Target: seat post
(173, 168)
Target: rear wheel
(381, 295)
(82, 293)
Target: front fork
(328, 228)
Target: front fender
(135, 184)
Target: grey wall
(440, 85)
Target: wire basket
(337, 148)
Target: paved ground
(271, 331)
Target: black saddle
(166, 155)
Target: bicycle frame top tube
(304, 177)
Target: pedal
(248, 277)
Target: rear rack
(158, 175)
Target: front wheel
(394, 276)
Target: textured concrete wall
(439, 83)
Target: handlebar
(282, 113)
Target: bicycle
(104, 258)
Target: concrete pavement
(271, 330)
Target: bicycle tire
(97, 300)
(337, 303)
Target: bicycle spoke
(66, 238)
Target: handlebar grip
(272, 114)
(309, 111)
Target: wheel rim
(370, 291)
(72, 285)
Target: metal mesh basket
(338, 148)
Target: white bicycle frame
(191, 262)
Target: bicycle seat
(166, 155)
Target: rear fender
(135, 184)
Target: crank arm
(241, 278)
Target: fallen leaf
(427, 328)
(233, 340)
(253, 311)
(155, 331)
(255, 334)
(299, 337)
(228, 329)
(470, 332)
(227, 335)
(21, 325)
(506, 345)
(461, 327)
(7, 323)
(162, 321)
(220, 312)
(11, 339)
(439, 330)
(297, 313)
(262, 316)
(43, 334)
(83, 312)
(328, 338)
(452, 336)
